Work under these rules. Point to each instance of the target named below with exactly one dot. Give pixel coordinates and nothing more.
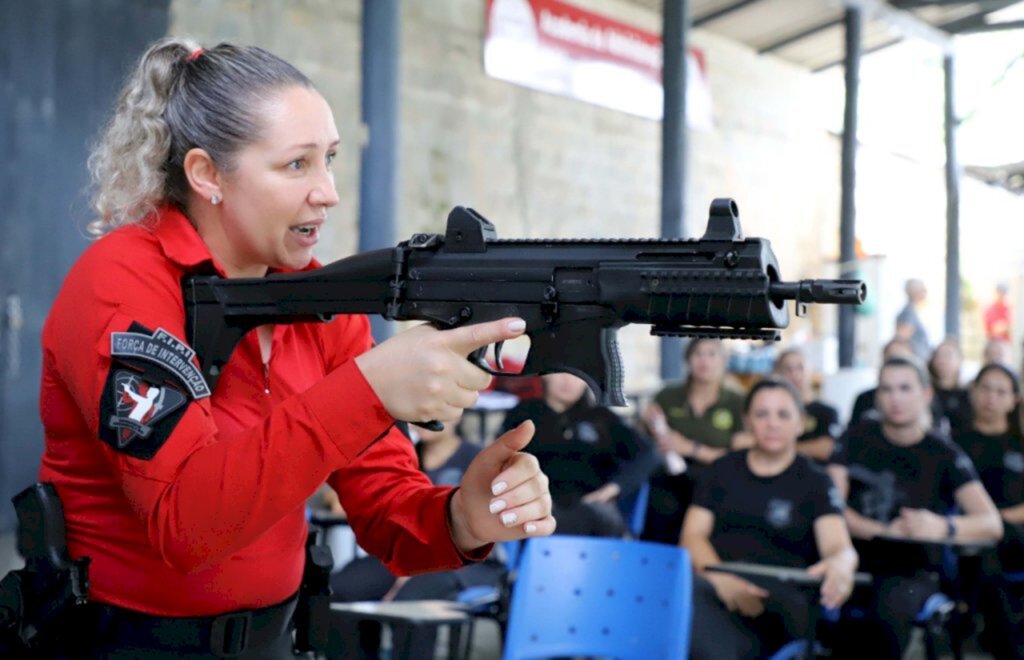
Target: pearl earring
(215, 200)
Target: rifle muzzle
(839, 292)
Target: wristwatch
(950, 527)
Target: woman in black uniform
(771, 505)
(995, 446)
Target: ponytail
(179, 97)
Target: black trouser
(877, 622)
(666, 507)
(1001, 600)
(96, 631)
(721, 634)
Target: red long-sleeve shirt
(192, 504)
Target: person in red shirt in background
(997, 316)
(190, 501)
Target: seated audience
(901, 480)
(444, 458)
(944, 369)
(589, 454)
(821, 421)
(864, 406)
(699, 419)
(767, 504)
(995, 446)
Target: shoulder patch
(137, 416)
(722, 419)
(164, 350)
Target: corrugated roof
(810, 33)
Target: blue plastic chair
(600, 597)
(490, 602)
(634, 509)
(795, 650)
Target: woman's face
(992, 397)
(946, 362)
(707, 362)
(563, 388)
(793, 369)
(276, 196)
(901, 397)
(774, 420)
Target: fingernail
(497, 505)
(508, 519)
(499, 488)
(530, 528)
(518, 325)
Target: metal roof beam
(917, 4)
(991, 27)
(803, 34)
(907, 23)
(978, 18)
(723, 11)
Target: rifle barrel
(850, 292)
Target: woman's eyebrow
(314, 145)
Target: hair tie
(194, 54)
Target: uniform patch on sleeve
(137, 416)
(151, 380)
(164, 350)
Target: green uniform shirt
(715, 427)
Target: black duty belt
(226, 635)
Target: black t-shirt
(955, 405)
(999, 460)
(822, 419)
(766, 520)
(885, 477)
(584, 448)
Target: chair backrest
(634, 509)
(598, 596)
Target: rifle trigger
(478, 357)
(497, 355)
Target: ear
(203, 176)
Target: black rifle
(573, 294)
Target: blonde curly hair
(179, 97)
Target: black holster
(312, 616)
(35, 598)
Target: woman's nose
(324, 193)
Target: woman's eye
(330, 159)
(297, 164)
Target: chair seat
(480, 599)
(938, 605)
(795, 649)
(412, 612)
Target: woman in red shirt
(190, 502)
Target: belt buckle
(229, 634)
